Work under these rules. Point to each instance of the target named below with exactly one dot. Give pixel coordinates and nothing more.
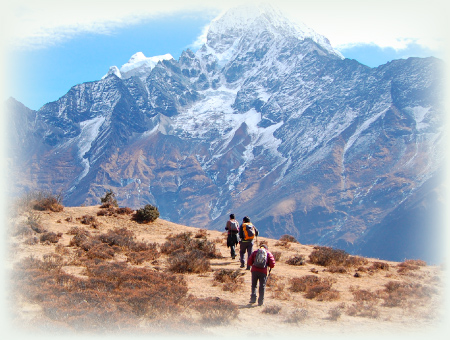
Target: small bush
(193, 261)
(377, 265)
(355, 261)
(109, 200)
(334, 313)
(89, 220)
(124, 211)
(147, 214)
(326, 256)
(337, 269)
(231, 279)
(296, 260)
(215, 311)
(201, 233)
(275, 309)
(34, 221)
(100, 251)
(363, 295)
(408, 265)
(363, 309)
(46, 201)
(297, 315)
(51, 237)
(288, 238)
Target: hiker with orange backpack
(247, 233)
(260, 259)
(233, 235)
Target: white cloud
(386, 23)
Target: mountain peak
(253, 19)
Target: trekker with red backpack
(247, 233)
(233, 235)
(260, 259)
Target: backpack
(234, 226)
(249, 231)
(260, 258)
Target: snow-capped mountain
(265, 120)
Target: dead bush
(355, 261)
(100, 251)
(231, 279)
(184, 241)
(34, 222)
(363, 295)
(337, 269)
(50, 237)
(275, 309)
(363, 309)
(201, 233)
(124, 211)
(377, 265)
(396, 294)
(45, 201)
(288, 238)
(193, 261)
(121, 237)
(326, 256)
(215, 311)
(88, 220)
(334, 313)
(408, 265)
(296, 260)
(297, 315)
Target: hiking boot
(260, 303)
(233, 257)
(242, 266)
(248, 268)
(252, 301)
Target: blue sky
(53, 50)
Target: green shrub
(147, 214)
(109, 200)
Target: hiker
(233, 235)
(260, 259)
(247, 233)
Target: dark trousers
(246, 247)
(262, 278)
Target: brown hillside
(124, 276)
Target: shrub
(100, 251)
(124, 211)
(275, 309)
(109, 200)
(363, 295)
(355, 261)
(363, 309)
(184, 241)
(337, 269)
(326, 256)
(34, 221)
(215, 311)
(288, 238)
(300, 284)
(193, 261)
(377, 265)
(47, 201)
(88, 220)
(334, 313)
(231, 279)
(297, 315)
(121, 237)
(408, 265)
(296, 260)
(201, 233)
(51, 237)
(147, 214)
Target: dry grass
(126, 276)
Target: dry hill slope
(77, 276)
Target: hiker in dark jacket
(233, 235)
(247, 233)
(260, 274)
